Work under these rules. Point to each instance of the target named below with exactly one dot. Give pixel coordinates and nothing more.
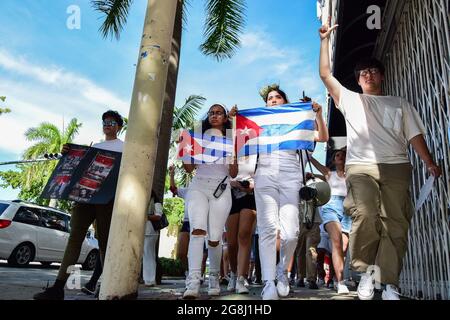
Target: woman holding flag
(208, 199)
(278, 179)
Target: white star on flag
(188, 148)
(246, 131)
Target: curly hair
(264, 91)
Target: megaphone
(317, 191)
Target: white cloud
(39, 94)
(59, 78)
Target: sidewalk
(173, 288)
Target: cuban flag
(197, 148)
(268, 129)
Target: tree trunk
(125, 245)
(165, 131)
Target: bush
(174, 210)
(171, 267)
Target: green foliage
(4, 110)
(116, 14)
(171, 267)
(173, 208)
(225, 22)
(31, 178)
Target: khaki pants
(306, 253)
(83, 215)
(379, 203)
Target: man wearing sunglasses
(83, 215)
(378, 170)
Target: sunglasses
(109, 123)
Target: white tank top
(337, 185)
(213, 171)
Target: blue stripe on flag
(282, 129)
(285, 108)
(285, 145)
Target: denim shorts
(334, 211)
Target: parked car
(29, 232)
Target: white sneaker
(241, 285)
(390, 293)
(270, 291)
(214, 285)
(366, 287)
(342, 288)
(282, 283)
(232, 282)
(192, 287)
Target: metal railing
(417, 60)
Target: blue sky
(51, 73)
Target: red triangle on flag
(246, 129)
(188, 146)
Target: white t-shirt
(378, 127)
(110, 145)
(153, 209)
(210, 170)
(337, 185)
(246, 172)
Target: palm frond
(125, 125)
(116, 14)
(45, 132)
(185, 11)
(225, 21)
(184, 117)
(71, 131)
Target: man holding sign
(84, 214)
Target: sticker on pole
(425, 192)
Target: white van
(29, 232)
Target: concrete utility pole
(125, 244)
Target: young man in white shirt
(83, 215)
(379, 129)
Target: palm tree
(32, 178)
(225, 20)
(148, 107)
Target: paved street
(23, 283)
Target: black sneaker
(300, 283)
(50, 293)
(312, 285)
(88, 289)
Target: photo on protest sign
(85, 174)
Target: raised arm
(189, 167)
(331, 83)
(233, 168)
(323, 170)
(321, 134)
